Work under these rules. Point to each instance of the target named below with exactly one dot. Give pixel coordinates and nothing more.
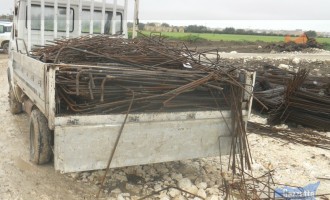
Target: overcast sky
(270, 14)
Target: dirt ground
(19, 179)
(294, 164)
(248, 47)
(229, 46)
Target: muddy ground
(294, 164)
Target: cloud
(210, 12)
(234, 10)
(6, 6)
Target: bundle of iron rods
(99, 74)
(295, 97)
(303, 136)
(270, 86)
(109, 89)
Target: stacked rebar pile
(110, 89)
(295, 97)
(270, 86)
(100, 74)
(103, 49)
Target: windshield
(7, 29)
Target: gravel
(202, 176)
(318, 67)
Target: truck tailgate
(85, 142)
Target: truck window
(49, 18)
(2, 29)
(86, 14)
(119, 23)
(7, 29)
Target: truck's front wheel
(40, 138)
(5, 47)
(15, 106)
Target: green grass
(222, 37)
(326, 46)
(231, 37)
(226, 37)
(323, 40)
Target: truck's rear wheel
(40, 138)
(15, 106)
(5, 47)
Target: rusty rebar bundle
(97, 75)
(295, 97)
(302, 106)
(302, 136)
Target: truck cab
(38, 22)
(5, 32)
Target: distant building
(6, 18)
(157, 27)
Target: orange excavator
(295, 44)
(303, 39)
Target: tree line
(231, 30)
(6, 17)
(228, 30)
(142, 25)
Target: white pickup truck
(84, 142)
(5, 33)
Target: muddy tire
(15, 106)
(40, 138)
(5, 47)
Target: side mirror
(16, 11)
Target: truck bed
(84, 142)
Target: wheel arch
(4, 42)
